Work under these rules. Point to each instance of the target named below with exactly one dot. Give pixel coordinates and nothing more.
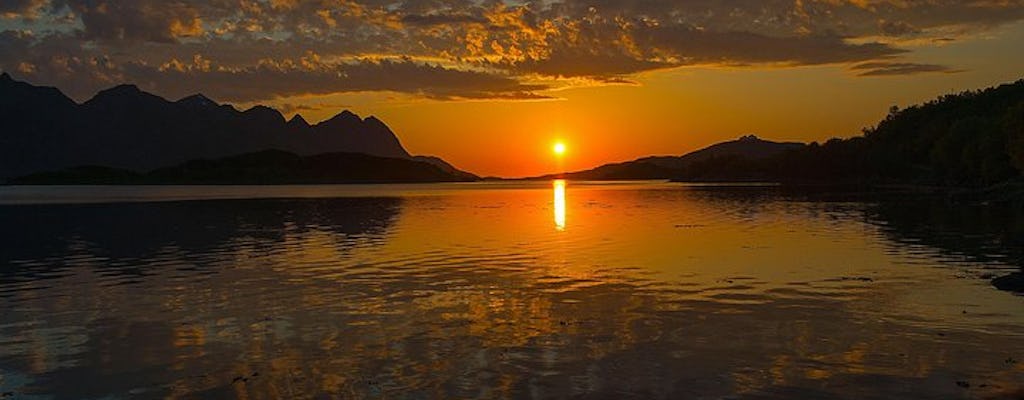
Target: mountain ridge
(124, 127)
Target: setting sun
(559, 148)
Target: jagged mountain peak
(127, 94)
(199, 100)
(17, 97)
(375, 123)
(126, 88)
(345, 116)
(298, 120)
(263, 112)
(259, 108)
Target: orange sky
(673, 111)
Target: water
(503, 290)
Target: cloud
(308, 76)
(83, 74)
(136, 20)
(897, 28)
(21, 8)
(848, 18)
(459, 49)
(698, 46)
(56, 60)
(898, 68)
(288, 108)
(441, 19)
(600, 50)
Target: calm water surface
(503, 290)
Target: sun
(558, 148)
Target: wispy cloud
(899, 68)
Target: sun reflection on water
(559, 203)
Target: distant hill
(749, 147)
(261, 168)
(668, 167)
(126, 128)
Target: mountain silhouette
(668, 167)
(749, 146)
(126, 128)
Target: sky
(491, 85)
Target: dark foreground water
(453, 291)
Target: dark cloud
(292, 108)
(488, 49)
(56, 60)
(897, 28)
(603, 51)
(701, 46)
(896, 68)
(136, 20)
(46, 61)
(272, 79)
(441, 19)
(574, 64)
(20, 8)
(787, 17)
(618, 80)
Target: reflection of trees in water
(52, 237)
(982, 233)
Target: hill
(668, 167)
(268, 167)
(749, 147)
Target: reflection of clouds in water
(329, 297)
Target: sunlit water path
(495, 290)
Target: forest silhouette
(970, 139)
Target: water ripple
(648, 290)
